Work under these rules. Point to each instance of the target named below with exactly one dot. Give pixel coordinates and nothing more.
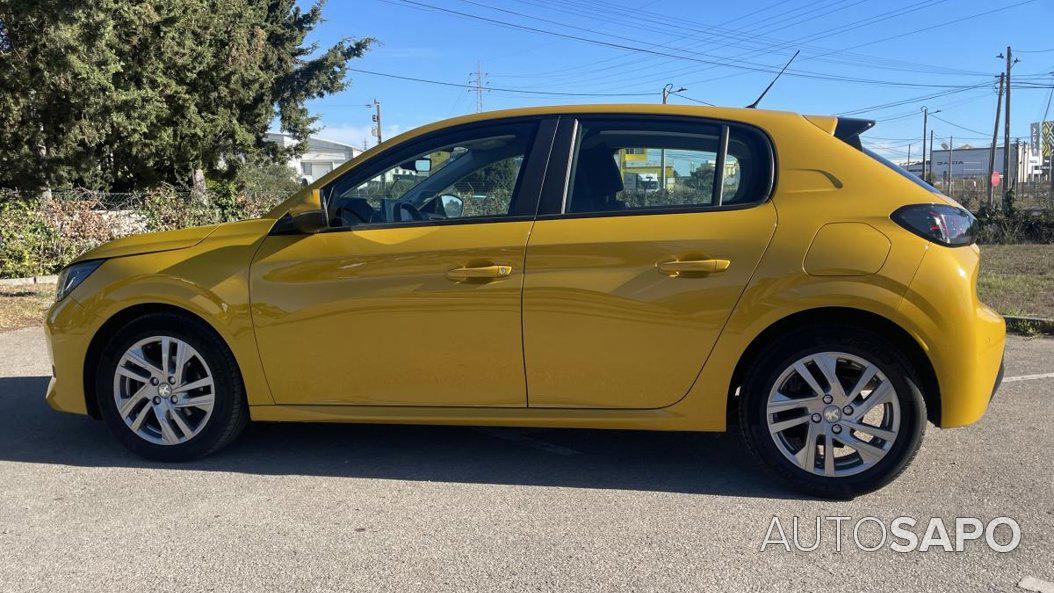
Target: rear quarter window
(900, 170)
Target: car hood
(150, 243)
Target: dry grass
(25, 305)
(1018, 279)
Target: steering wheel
(399, 207)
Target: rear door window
(654, 165)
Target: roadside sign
(995, 179)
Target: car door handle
(698, 266)
(478, 273)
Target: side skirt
(654, 419)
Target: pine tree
(127, 95)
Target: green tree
(701, 178)
(497, 177)
(127, 95)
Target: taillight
(940, 223)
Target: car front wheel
(169, 388)
(833, 412)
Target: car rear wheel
(169, 388)
(832, 411)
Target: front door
(635, 269)
(413, 297)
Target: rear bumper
(963, 337)
(998, 379)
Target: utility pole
(995, 138)
(925, 117)
(951, 161)
(930, 175)
(1010, 61)
(1050, 170)
(478, 81)
(666, 92)
(926, 171)
(376, 130)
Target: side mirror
(303, 223)
(453, 206)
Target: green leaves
(129, 95)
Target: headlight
(71, 276)
(939, 223)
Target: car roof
(737, 114)
(734, 113)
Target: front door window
(470, 178)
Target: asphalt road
(330, 507)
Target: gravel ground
(330, 507)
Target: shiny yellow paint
(827, 256)
(605, 327)
(365, 326)
(208, 279)
(371, 317)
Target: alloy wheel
(164, 390)
(833, 414)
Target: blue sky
(857, 56)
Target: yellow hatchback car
(629, 267)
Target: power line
(912, 100)
(870, 20)
(861, 23)
(919, 30)
(786, 44)
(743, 65)
(738, 35)
(795, 43)
(944, 24)
(951, 123)
(472, 86)
(569, 7)
(693, 100)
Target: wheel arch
(844, 316)
(116, 322)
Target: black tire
(230, 411)
(863, 343)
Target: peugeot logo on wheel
(832, 414)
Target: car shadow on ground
(706, 463)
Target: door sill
(652, 419)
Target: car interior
(599, 182)
(422, 188)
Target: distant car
(493, 270)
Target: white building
(322, 156)
(972, 163)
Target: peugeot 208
(624, 267)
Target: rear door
(650, 228)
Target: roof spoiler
(846, 129)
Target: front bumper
(68, 338)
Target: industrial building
(971, 162)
